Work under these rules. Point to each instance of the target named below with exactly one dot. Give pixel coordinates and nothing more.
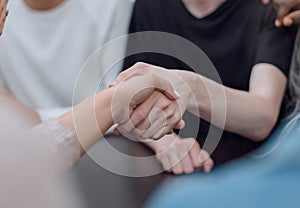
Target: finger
(130, 71)
(207, 162)
(194, 151)
(158, 125)
(116, 132)
(292, 18)
(149, 83)
(142, 111)
(282, 10)
(141, 129)
(180, 125)
(166, 88)
(186, 161)
(177, 168)
(166, 165)
(265, 1)
(208, 165)
(162, 132)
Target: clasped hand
(152, 113)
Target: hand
(157, 111)
(92, 117)
(284, 15)
(133, 92)
(3, 14)
(157, 102)
(181, 156)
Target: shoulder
(98, 7)
(152, 5)
(103, 13)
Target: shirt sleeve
(51, 113)
(275, 45)
(60, 140)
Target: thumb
(166, 88)
(265, 1)
(134, 70)
(281, 13)
(292, 18)
(140, 88)
(180, 125)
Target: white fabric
(60, 142)
(41, 53)
(32, 165)
(50, 113)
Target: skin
(258, 108)
(94, 116)
(181, 156)
(202, 8)
(41, 5)
(91, 118)
(286, 17)
(267, 86)
(3, 7)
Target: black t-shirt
(236, 36)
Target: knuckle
(140, 64)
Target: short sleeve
(275, 45)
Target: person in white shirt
(46, 42)
(33, 160)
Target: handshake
(146, 102)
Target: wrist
(163, 144)
(186, 89)
(103, 105)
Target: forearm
(240, 112)
(90, 119)
(26, 115)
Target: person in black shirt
(250, 54)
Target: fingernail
(177, 93)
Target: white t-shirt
(42, 52)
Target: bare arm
(91, 118)
(251, 114)
(27, 115)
